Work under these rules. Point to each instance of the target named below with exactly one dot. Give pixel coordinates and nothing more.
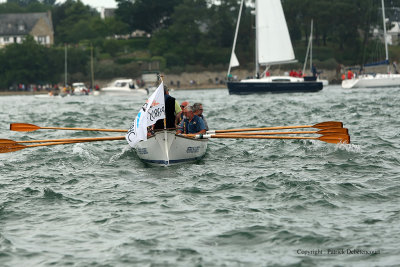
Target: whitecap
(120, 154)
(84, 153)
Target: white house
(14, 28)
(394, 32)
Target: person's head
(188, 112)
(198, 108)
(184, 104)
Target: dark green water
(247, 203)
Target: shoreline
(191, 87)
(5, 93)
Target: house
(14, 28)
(394, 33)
(107, 12)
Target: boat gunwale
(177, 135)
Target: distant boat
(80, 89)
(379, 79)
(273, 47)
(310, 51)
(122, 86)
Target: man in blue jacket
(192, 124)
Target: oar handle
(74, 140)
(333, 138)
(253, 136)
(321, 125)
(272, 133)
(259, 129)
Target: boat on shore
(273, 47)
(166, 148)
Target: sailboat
(273, 47)
(309, 51)
(379, 79)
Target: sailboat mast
(256, 35)
(65, 52)
(311, 37)
(235, 38)
(384, 35)
(309, 47)
(91, 66)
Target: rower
(192, 124)
(198, 110)
(179, 116)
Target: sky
(96, 3)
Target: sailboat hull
(243, 88)
(372, 81)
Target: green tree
(185, 34)
(27, 63)
(147, 15)
(66, 16)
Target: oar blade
(335, 138)
(23, 127)
(6, 142)
(328, 124)
(11, 148)
(333, 131)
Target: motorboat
(122, 86)
(80, 88)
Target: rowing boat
(166, 148)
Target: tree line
(184, 35)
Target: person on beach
(395, 67)
(192, 124)
(198, 111)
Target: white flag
(152, 111)
(234, 61)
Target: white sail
(234, 61)
(273, 39)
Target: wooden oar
(333, 138)
(322, 132)
(26, 127)
(11, 146)
(8, 141)
(5, 148)
(322, 125)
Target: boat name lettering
(142, 151)
(192, 149)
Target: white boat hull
(177, 149)
(124, 86)
(372, 81)
(323, 81)
(116, 90)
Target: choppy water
(247, 203)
